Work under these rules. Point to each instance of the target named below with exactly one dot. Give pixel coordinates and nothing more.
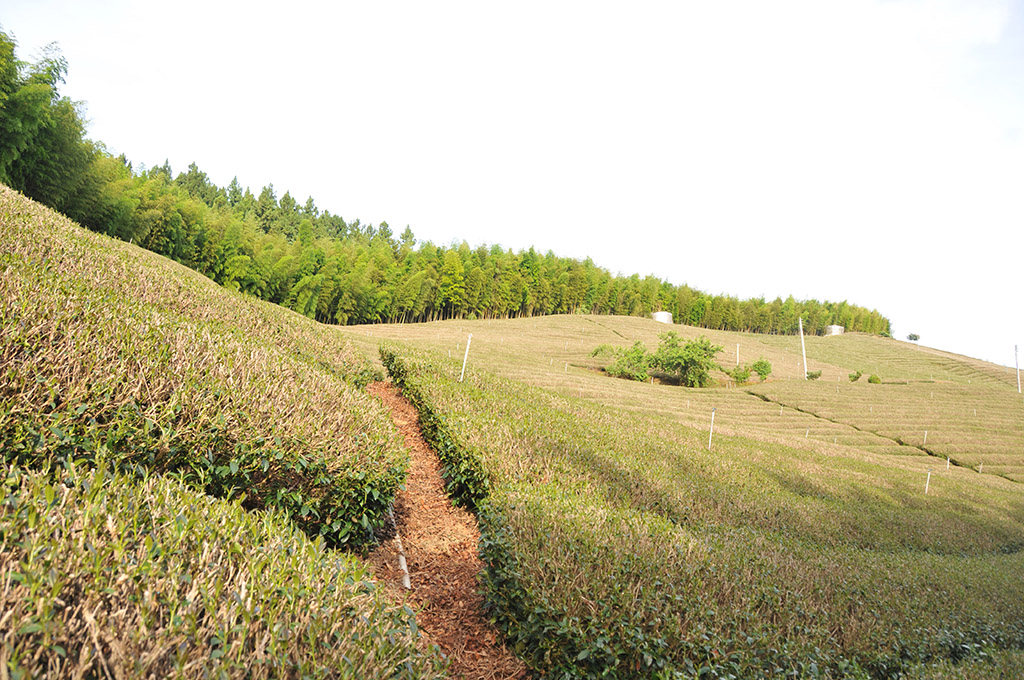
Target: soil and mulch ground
(440, 544)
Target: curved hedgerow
(463, 473)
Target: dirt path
(441, 549)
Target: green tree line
(317, 263)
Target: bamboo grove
(317, 263)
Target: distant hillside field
(143, 411)
(802, 542)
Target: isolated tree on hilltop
(913, 337)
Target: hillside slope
(119, 361)
(618, 542)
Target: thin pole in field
(737, 354)
(711, 432)
(925, 442)
(1017, 364)
(927, 482)
(947, 462)
(803, 350)
(465, 358)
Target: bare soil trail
(440, 543)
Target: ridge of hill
(318, 264)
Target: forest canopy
(317, 263)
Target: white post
(737, 354)
(947, 462)
(927, 482)
(711, 432)
(925, 442)
(803, 350)
(808, 433)
(1017, 364)
(465, 358)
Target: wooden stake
(465, 358)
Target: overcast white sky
(867, 151)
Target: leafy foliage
(632, 363)
(106, 570)
(762, 367)
(690, 363)
(740, 374)
(874, 379)
(854, 377)
(813, 375)
(913, 337)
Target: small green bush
(874, 379)
(813, 375)
(740, 374)
(854, 377)
(763, 368)
(632, 363)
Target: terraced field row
(979, 426)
